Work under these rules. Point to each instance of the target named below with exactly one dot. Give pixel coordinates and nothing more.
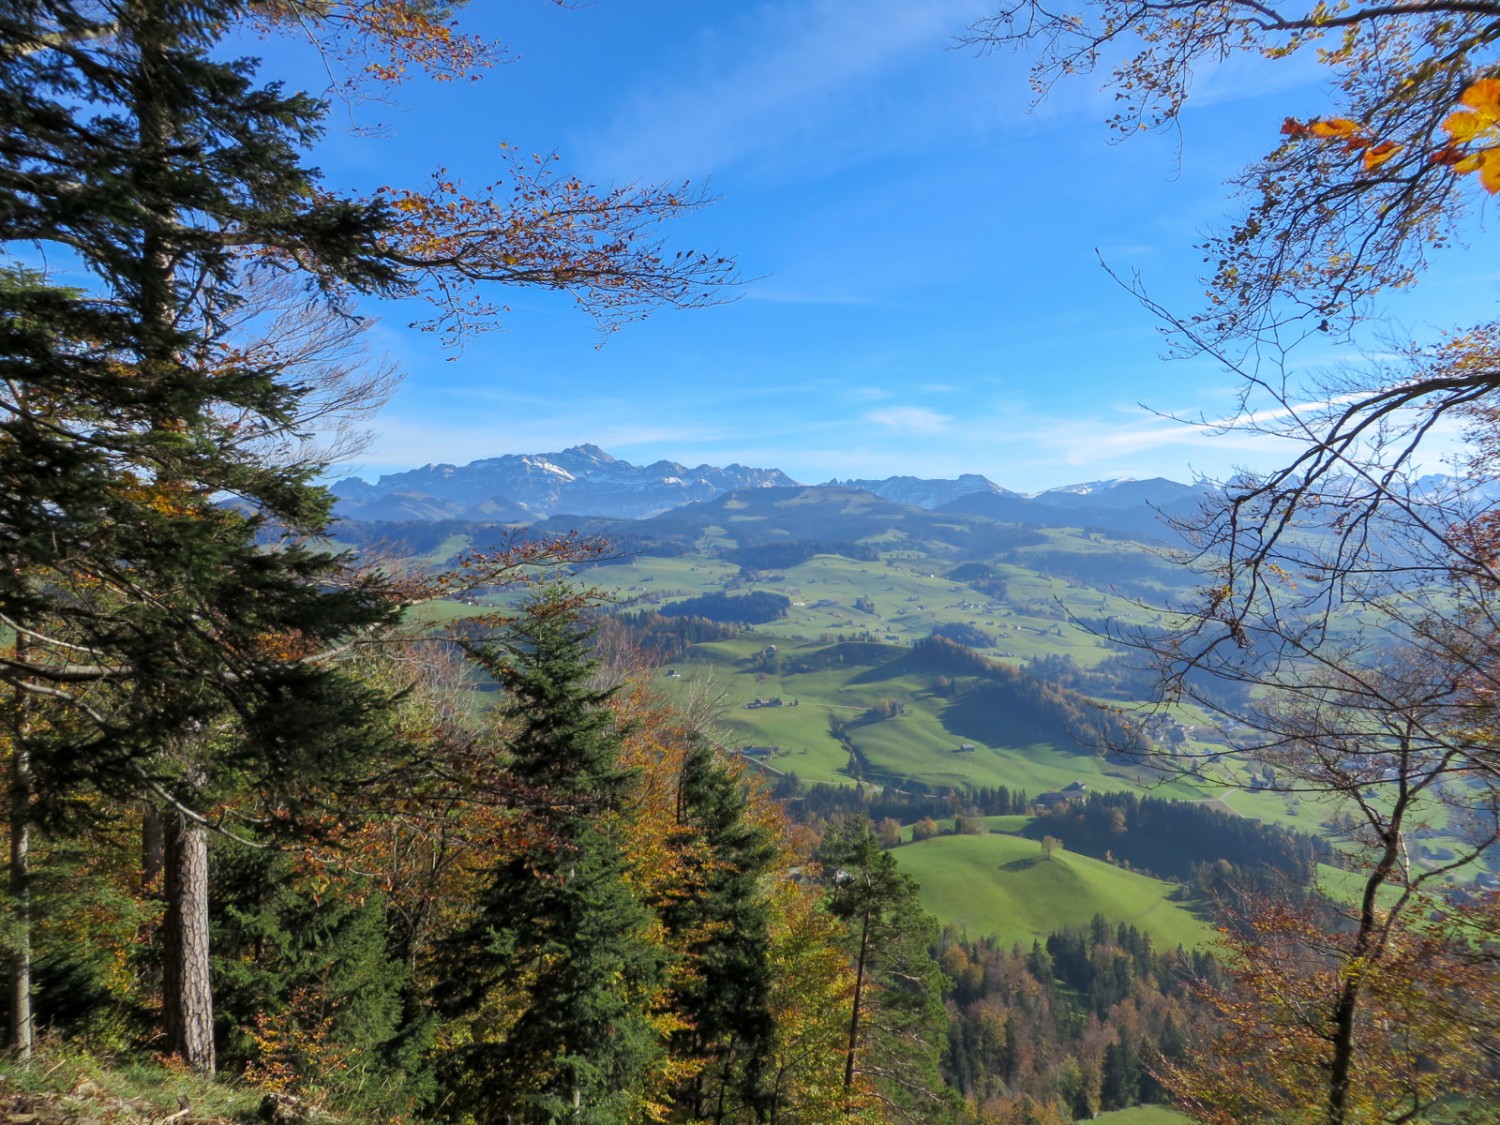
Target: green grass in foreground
(1001, 886)
(1143, 1115)
(86, 1090)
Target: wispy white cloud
(1100, 444)
(784, 73)
(1243, 76)
(911, 420)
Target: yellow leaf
(1489, 170)
(1468, 163)
(1484, 97)
(1463, 125)
(1335, 127)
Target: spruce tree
(896, 1022)
(725, 928)
(160, 634)
(167, 645)
(557, 956)
(308, 993)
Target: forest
(270, 820)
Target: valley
(921, 651)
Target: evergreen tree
(896, 1023)
(556, 968)
(167, 645)
(308, 994)
(160, 634)
(1121, 1082)
(725, 998)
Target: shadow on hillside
(1021, 864)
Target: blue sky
(921, 249)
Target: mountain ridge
(585, 480)
(579, 480)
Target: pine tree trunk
(859, 988)
(21, 1029)
(20, 899)
(187, 1003)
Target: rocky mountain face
(586, 481)
(581, 481)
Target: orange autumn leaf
(1483, 97)
(1463, 125)
(1377, 155)
(1351, 133)
(1335, 128)
(1489, 170)
(1478, 125)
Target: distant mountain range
(587, 481)
(520, 488)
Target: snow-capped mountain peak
(582, 480)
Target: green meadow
(859, 703)
(1002, 886)
(1142, 1115)
(923, 743)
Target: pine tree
(308, 993)
(896, 1024)
(556, 968)
(159, 633)
(725, 998)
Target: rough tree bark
(187, 1005)
(21, 1030)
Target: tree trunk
(187, 1002)
(859, 988)
(21, 1028)
(187, 999)
(20, 899)
(1369, 946)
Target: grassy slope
(1143, 1115)
(67, 1087)
(918, 744)
(1001, 886)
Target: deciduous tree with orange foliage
(1428, 1031)
(1394, 747)
(1355, 600)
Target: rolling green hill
(1003, 886)
(832, 725)
(851, 685)
(1142, 1115)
